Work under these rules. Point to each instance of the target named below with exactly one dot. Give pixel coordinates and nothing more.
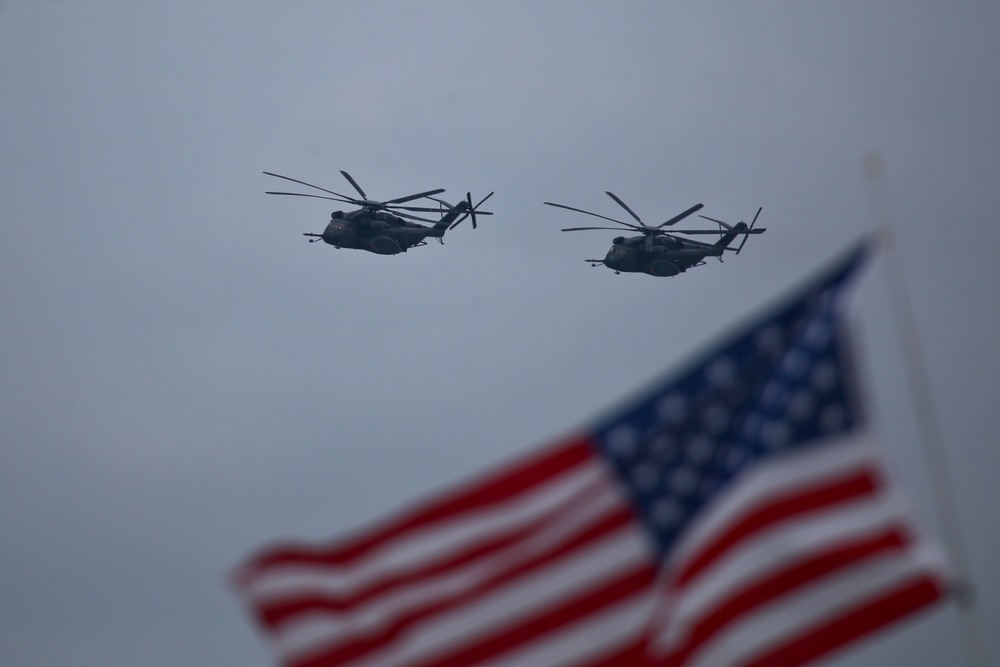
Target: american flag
(734, 514)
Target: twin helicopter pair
(389, 228)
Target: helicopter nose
(615, 257)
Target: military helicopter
(386, 227)
(661, 252)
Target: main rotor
(390, 205)
(638, 225)
(660, 229)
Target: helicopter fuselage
(379, 232)
(662, 256)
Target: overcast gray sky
(184, 379)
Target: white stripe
(812, 606)
(330, 627)
(771, 551)
(799, 469)
(594, 507)
(426, 543)
(621, 552)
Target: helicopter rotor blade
(419, 209)
(751, 230)
(475, 209)
(310, 185)
(715, 232)
(596, 215)
(481, 203)
(300, 194)
(614, 229)
(413, 217)
(681, 216)
(624, 206)
(400, 200)
(724, 224)
(355, 201)
(354, 183)
(442, 203)
(472, 209)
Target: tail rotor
(747, 235)
(740, 227)
(472, 211)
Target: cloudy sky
(184, 379)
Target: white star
(769, 340)
(752, 425)
(663, 448)
(623, 441)
(708, 486)
(673, 408)
(773, 394)
(824, 376)
(715, 418)
(666, 513)
(794, 364)
(683, 481)
(801, 406)
(817, 333)
(775, 434)
(735, 458)
(700, 450)
(645, 476)
(722, 373)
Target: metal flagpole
(929, 428)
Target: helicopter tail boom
(727, 238)
(441, 226)
(740, 228)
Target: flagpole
(930, 434)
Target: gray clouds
(185, 379)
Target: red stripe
(781, 508)
(792, 577)
(517, 565)
(494, 489)
(508, 638)
(853, 624)
(391, 629)
(496, 547)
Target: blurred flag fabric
(736, 513)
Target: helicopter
(386, 227)
(661, 252)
